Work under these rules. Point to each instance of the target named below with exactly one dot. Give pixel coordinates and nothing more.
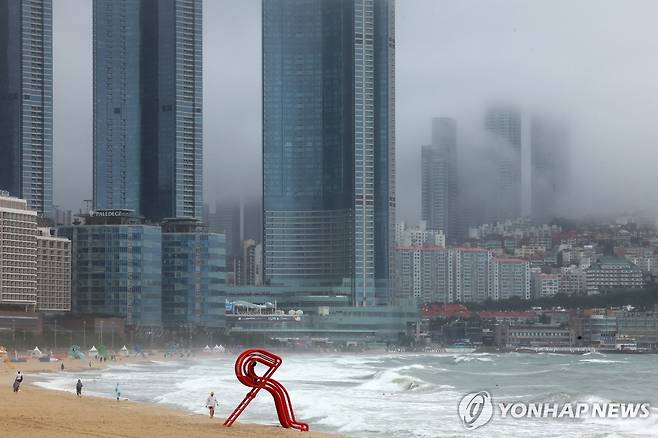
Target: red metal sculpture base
(245, 370)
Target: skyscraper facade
(328, 144)
(148, 153)
(504, 126)
(26, 102)
(117, 104)
(439, 179)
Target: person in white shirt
(211, 404)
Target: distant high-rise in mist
(550, 166)
(504, 126)
(26, 102)
(439, 179)
(148, 153)
(226, 220)
(329, 143)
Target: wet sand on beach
(36, 412)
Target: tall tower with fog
(329, 144)
(439, 179)
(549, 169)
(503, 123)
(148, 150)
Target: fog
(590, 62)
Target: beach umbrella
(124, 351)
(36, 352)
(93, 349)
(206, 348)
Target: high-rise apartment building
(329, 144)
(148, 153)
(439, 179)
(472, 274)
(425, 273)
(510, 278)
(26, 102)
(504, 126)
(18, 253)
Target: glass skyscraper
(148, 151)
(329, 144)
(26, 102)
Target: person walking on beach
(117, 391)
(17, 381)
(62, 366)
(78, 388)
(211, 404)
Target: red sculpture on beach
(245, 370)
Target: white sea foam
(600, 361)
(397, 396)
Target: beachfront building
(640, 327)
(53, 271)
(472, 274)
(329, 145)
(26, 102)
(18, 254)
(537, 335)
(193, 275)
(613, 273)
(148, 152)
(597, 327)
(117, 267)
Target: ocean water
(399, 395)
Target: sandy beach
(36, 412)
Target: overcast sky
(593, 62)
